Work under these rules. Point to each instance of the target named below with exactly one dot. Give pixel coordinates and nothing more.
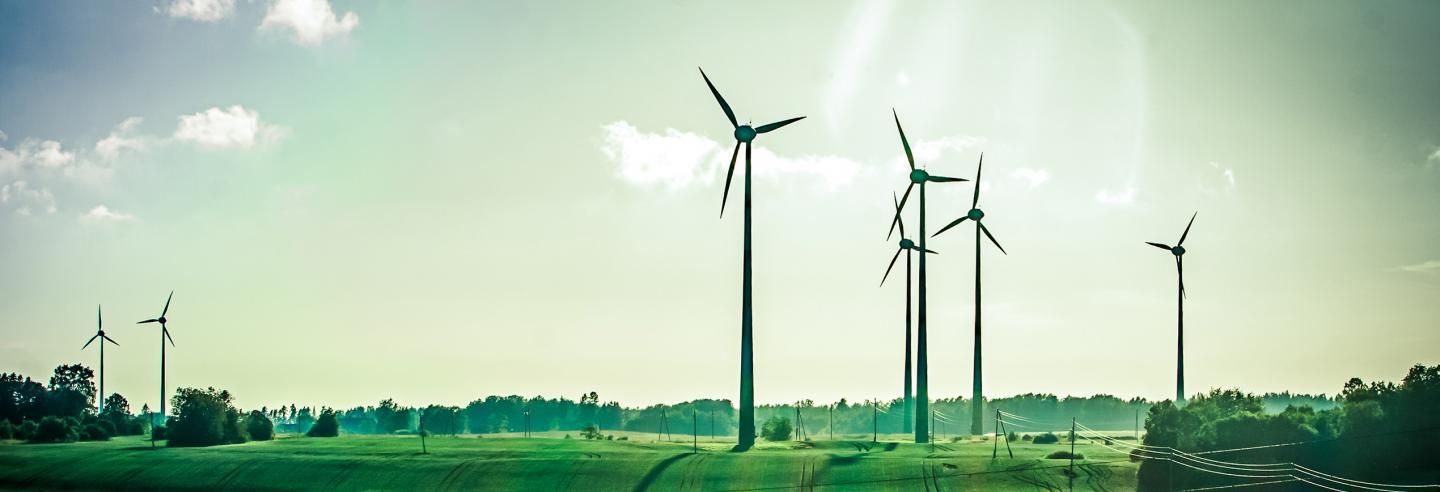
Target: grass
(549, 462)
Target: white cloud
(49, 154)
(233, 127)
(1033, 177)
(4, 137)
(26, 200)
(310, 22)
(1116, 198)
(102, 214)
(109, 148)
(201, 10)
(1430, 162)
(1426, 267)
(679, 159)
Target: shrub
(159, 433)
(7, 430)
(259, 427)
(591, 432)
(1027, 437)
(55, 429)
(776, 428)
(1063, 455)
(325, 426)
(610, 437)
(1047, 438)
(1011, 437)
(94, 432)
(623, 438)
(567, 436)
(26, 430)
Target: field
(550, 462)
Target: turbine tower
(164, 335)
(100, 334)
(977, 393)
(744, 134)
(922, 361)
(1179, 251)
(907, 246)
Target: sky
(436, 201)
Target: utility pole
(695, 431)
(712, 425)
(995, 447)
(423, 450)
(932, 430)
(799, 428)
(1137, 426)
(527, 423)
(832, 421)
(1072, 447)
(874, 422)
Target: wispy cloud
(233, 127)
(1425, 267)
(1108, 197)
(120, 139)
(1032, 177)
(310, 22)
(201, 10)
(26, 200)
(1430, 162)
(103, 215)
(860, 34)
(678, 159)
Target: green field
(549, 462)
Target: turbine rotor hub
(161, 320)
(744, 133)
(918, 176)
(907, 244)
(975, 214)
(1178, 250)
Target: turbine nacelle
(975, 214)
(745, 133)
(907, 244)
(918, 176)
(1177, 250)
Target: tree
(204, 418)
(55, 429)
(117, 414)
(326, 425)
(72, 391)
(259, 427)
(776, 428)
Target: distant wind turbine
(100, 334)
(164, 335)
(744, 134)
(977, 393)
(922, 366)
(1179, 251)
(907, 246)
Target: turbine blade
(87, 344)
(943, 179)
(147, 321)
(729, 174)
(729, 113)
(99, 320)
(1187, 229)
(1180, 270)
(986, 230)
(952, 224)
(896, 197)
(975, 202)
(167, 336)
(167, 304)
(909, 156)
(776, 125)
(931, 251)
(1158, 245)
(898, 208)
(891, 267)
(108, 339)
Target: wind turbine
(744, 134)
(922, 365)
(977, 402)
(100, 334)
(164, 335)
(907, 246)
(1179, 251)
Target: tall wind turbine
(907, 246)
(977, 393)
(922, 365)
(100, 334)
(164, 335)
(744, 134)
(1179, 251)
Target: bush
(94, 432)
(26, 430)
(591, 432)
(776, 428)
(623, 438)
(55, 429)
(204, 418)
(159, 433)
(1027, 437)
(1011, 437)
(325, 426)
(1047, 438)
(7, 430)
(259, 427)
(1063, 455)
